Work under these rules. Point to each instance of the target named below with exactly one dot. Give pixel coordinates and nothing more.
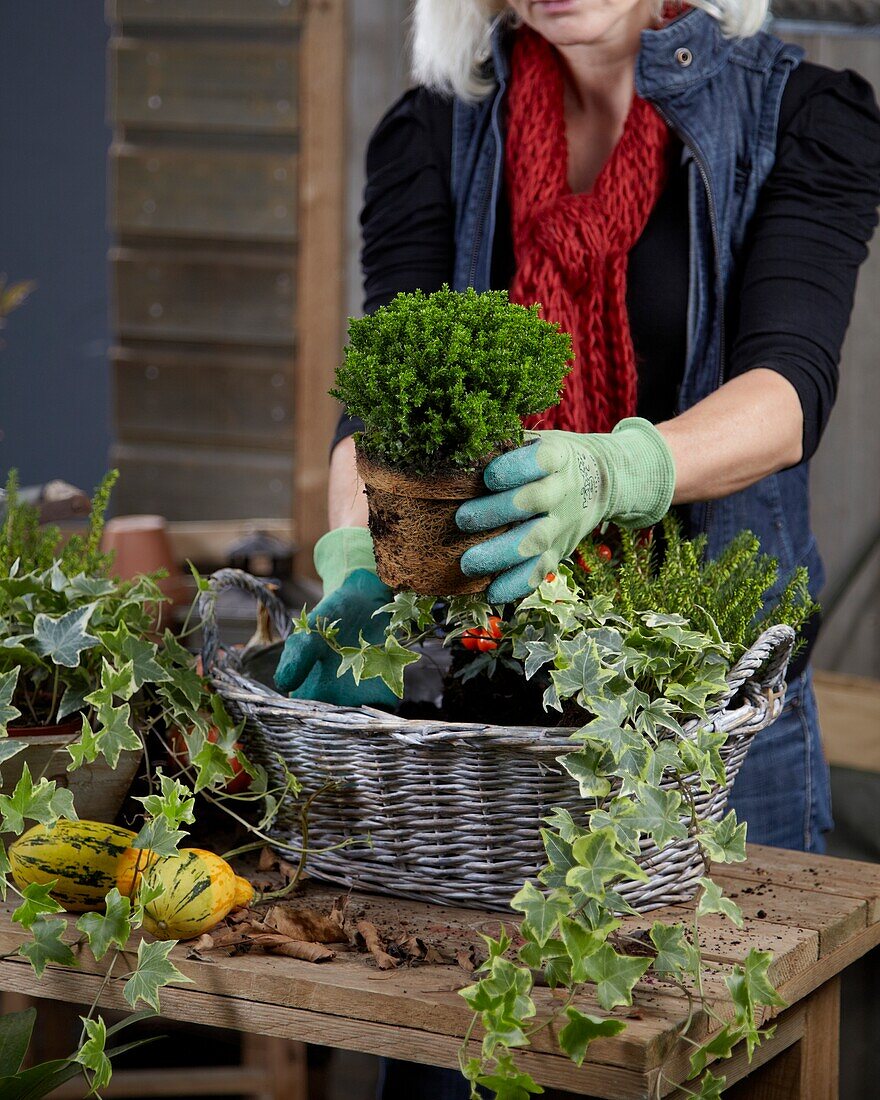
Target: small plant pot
(412, 520)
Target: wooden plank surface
(227, 13)
(215, 85)
(190, 396)
(201, 483)
(415, 1012)
(226, 194)
(221, 297)
(850, 878)
(849, 716)
(320, 274)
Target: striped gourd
(198, 890)
(81, 855)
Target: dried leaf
(239, 915)
(435, 956)
(305, 924)
(339, 912)
(369, 936)
(268, 860)
(203, 943)
(412, 947)
(308, 952)
(467, 959)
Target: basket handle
(765, 663)
(254, 586)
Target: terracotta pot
(69, 727)
(141, 544)
(412, 520)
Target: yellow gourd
(198, 890)
(82, 857)
(244, 893)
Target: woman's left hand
(554, 491)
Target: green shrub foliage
(445, 378)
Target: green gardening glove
(555, 490)
(352, 592)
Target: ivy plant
(78, 644)
(606, 639)
(443, 379)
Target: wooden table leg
(810, 1068)
(284, 1063)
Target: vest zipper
(713, 225)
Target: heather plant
(445, 378)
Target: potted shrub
(442, 382)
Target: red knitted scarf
(571, 250)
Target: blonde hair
(452, 38)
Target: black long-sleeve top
(790, 307)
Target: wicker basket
(452, 810)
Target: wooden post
(320, 273)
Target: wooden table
(816, 914)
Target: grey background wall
(53, 369)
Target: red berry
(604, 552)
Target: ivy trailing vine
(635, 647)
(77, 643)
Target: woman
(692, 201)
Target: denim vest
(721, 97)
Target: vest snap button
(684, 57)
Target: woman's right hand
(352, 594)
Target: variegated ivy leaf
(724, 840)
(142, 655)
(154, 970)
(579, 672)
(159, 837)
(665, 757)
(542, 912)
(386, 662)
(659, 714)
(720, 1045)
(712, 900)
(585, 766)
(10, 748)
(700, 753)
(92, 1054)
(174, 802)
(73, 700)
(614, 975)
(8, 712)
(618, 816)
(561, 820)
(36, 903)
(600, 861)
(47, 945)
(102, 930)
(657, 814)
(581, 1030)
(63, 639)
(537, 655)
(750, 986)
(115, 733)
(410, 611)
(43, 802)
(675, 952)
(582, 942)
(86, 749)
(84, 586)
(559, 860)
(115, 684)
